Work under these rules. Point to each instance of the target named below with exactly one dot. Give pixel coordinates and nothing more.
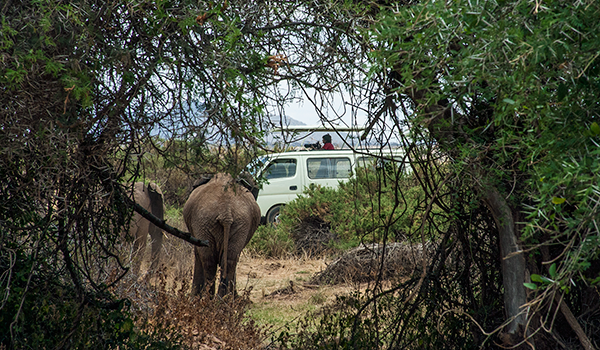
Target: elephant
(225, 213)
(151, 198)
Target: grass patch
(318, 298)
(174, 217)
(279, 313)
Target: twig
(566, 311)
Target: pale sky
(304, 111)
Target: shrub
(370, 207)
(270, 241)
(167, 310)
(44, 312)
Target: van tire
(273, 215)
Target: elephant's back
(220, 196)
(210, 199)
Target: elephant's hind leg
(158, 209)
(225, 219)
(157, 237)
(139, 245)
(227, 284)
(205, 270)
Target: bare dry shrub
(165, 309)
(364, 263)
(313, 237)
(178, 255)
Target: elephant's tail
(226, 221)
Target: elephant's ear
(156, 201)
(204, 179)
(250, 186)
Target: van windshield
(280, 168)
(256, 165)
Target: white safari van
(287, 174)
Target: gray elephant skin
(225, 214)
(151, 198)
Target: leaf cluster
(367, 208)
(508, 90)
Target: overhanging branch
(186, 236)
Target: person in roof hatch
(327, 142)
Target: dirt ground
(281, 290)
(267, 276)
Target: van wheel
(273, 216)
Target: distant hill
(291, 121)
(302, 138)
(287, 121)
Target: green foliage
(43, 312)
(174, 217)
(272, 242)
(370, 207)
(519, 83)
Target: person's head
(327, 138)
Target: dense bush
(44, 312)
(370, 207)
(270, 241)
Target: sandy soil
(281, 289)
(268, 276)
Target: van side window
(280, 168)
(365, 161)
(329, 168)
(374, 163)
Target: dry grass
(167, 310)
(164, 307)
(273, 293)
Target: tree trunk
(513, 261)
(445, 126)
